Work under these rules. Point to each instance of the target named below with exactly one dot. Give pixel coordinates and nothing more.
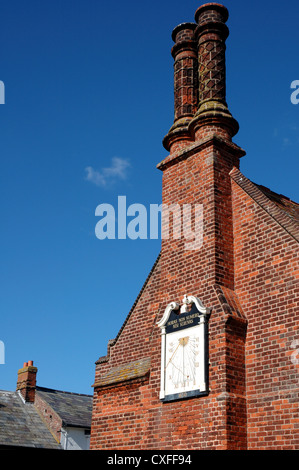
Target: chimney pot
(26, 382)
(211, 11)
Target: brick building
(43, 418)
(206, 357)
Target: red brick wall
(266, 280)
(253, 400)
(243, 271)
(49, 416)
(130, 415)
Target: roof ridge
(38, 388)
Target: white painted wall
(74, 439)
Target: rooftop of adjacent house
(21, 425)
(74, 409)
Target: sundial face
(182, 361)
(184, 355)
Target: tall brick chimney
(184, 53)
(200, 107)
(211, 33)
(26, 382)
(201, 155)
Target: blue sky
(88, 100)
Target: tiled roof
(21, 424)
(74, 409)
(284, 211)
(229, 302)
(290, 207)
(124, 372)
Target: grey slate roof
(74, 409)
(21, 425)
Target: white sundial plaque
(184, 354)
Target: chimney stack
(212, 115)
(26, 383)
(200, 80)
(184, 53)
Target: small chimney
(26, 383)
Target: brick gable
(243, 271)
